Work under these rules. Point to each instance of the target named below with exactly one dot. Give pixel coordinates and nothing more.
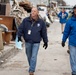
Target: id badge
(29, 32)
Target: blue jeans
(31, 52)
(73, 58)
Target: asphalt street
(52, 61)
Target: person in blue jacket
(63, 15)
(70, 31)
(33, 30)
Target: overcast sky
(71, 2)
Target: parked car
(43, 14)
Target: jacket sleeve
(59, 15)
(20, 29)
(66, 31)
(44, 32)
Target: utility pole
(49, 2)
(40, 2)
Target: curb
(4, 55)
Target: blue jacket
(33, 32)
(63, 18)
(70, 31)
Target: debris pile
(20, 10)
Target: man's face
(34, 13)
(75, 11)
(63, 10)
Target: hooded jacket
(63, 17)
(70, 31)
(33, 31)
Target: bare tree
(62, 2)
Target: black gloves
(63, 44)
(19, 39)
(45, 45)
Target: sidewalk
(7, 52)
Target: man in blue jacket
(63, 15)
(33, 29)
(70, 31)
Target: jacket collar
(30, 19)
(73, 18)
(64, 12)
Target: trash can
(1, 41)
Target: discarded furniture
(8, 22)
(1, 41)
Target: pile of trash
(20, 9)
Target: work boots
(31, 73)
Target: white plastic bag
(18, 44)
